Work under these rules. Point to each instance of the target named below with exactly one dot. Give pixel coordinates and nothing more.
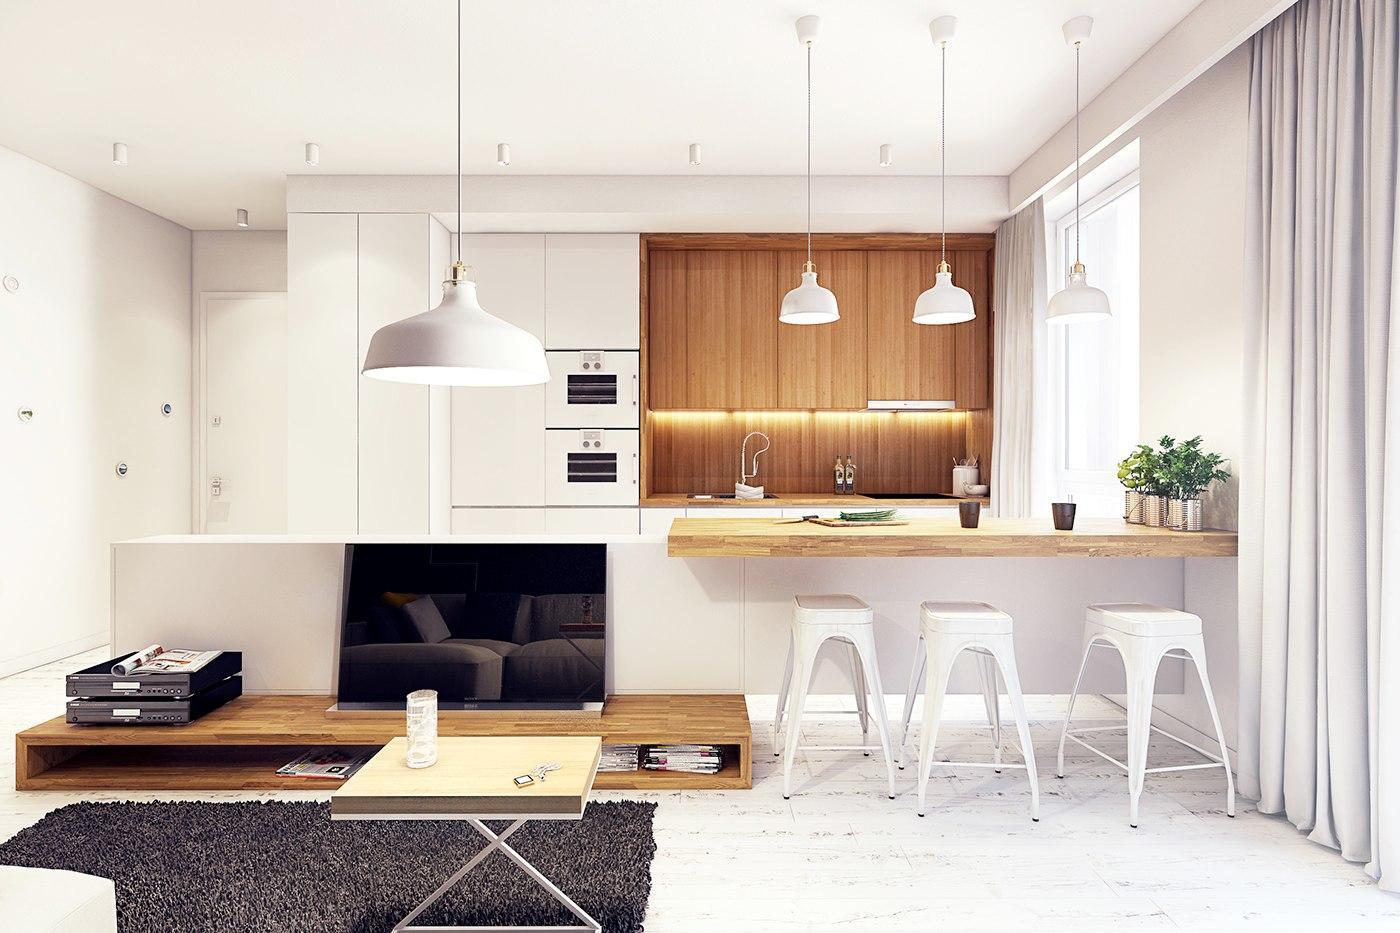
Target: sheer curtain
(1320, 512)
(1018, 299)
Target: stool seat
(832, 609)
(1143, 619)
(964, 618)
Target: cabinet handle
(634, 390)
(634, 469)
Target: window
(1093, 366)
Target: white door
(244, 414)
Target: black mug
(968, 511)
(1063, 514)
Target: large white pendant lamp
(457, 343)
(809, 303)
(945, 303)
(1077, 301)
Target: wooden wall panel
(731, 329)
(972, 348)
(894, 452)
(906, 360)
(666, 330)
(824, 365)
(755, 320)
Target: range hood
(910, 405)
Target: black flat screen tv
(488, 626)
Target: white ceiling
(216, 97)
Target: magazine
(154, 659)
(326, 762)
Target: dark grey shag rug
(279, 866)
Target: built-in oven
(592, 389)
(591, 466)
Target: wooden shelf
(241, 745)
(941, 537)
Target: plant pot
(1132, 507)
(1184, 514)
(1154, 510)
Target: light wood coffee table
(474, 780)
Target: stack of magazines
(619, 758)
(692, 759)
(337, 763)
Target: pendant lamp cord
(1076, 153)
(943, 155)
(809, 152)
(459, 130)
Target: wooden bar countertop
(941, 537)
(797, 500)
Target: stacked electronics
(177, 691)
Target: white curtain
(1018, 297)
(1320, 504)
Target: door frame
(200, 436)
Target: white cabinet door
(591, 521)
(498, 434)
(396, 279)
(737, 511)
(588, 467)
(498, 521)
(929, 511)
(592, 291)
(658, 521)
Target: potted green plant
(1156, 489)
(1134, 472)
(1187, 472)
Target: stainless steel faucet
(745, 476)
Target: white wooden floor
(840, 855)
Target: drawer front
(604, 521)
(591, 467)
(592, 389)
(498, 521)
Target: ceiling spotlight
(695, 154)
(313, 154)
(242, 220)
(118, 153)
(886, 155)
(502, 154)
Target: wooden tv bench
(241, 745)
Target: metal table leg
(496, 843)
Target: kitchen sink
(727, 495)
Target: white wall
(95, 340)
(238, 261)
(1193, 152)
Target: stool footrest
(840, 748)
(1215, 761)
(978, 764)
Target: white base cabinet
(658, 521)
(591, 521)
(498, 521)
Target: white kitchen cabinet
(498, 439)
(591, 283)
(734, 511)
(612, 521)
(658, 521)
(498, 521)
(592, 467)
(929, 511)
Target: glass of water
(422, 728)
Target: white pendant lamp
(457, 343)
(809, 303)
(945, 303)
(1077, 301)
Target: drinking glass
(422, 728)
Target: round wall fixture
(25, 415)
(11, 284)
(167, 409)
(121, 468)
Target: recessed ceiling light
(886, 155)
(313, 154)
(242, 217)
(695, 158)
(503, 154)
(118, 153)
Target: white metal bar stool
(815, 620)
(1143, 635)
(946, 629)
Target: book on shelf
(690, 759)
(616, 758)
(326, 762)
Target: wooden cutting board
(838, 523)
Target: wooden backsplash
(894, 451)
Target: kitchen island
(940, 537)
